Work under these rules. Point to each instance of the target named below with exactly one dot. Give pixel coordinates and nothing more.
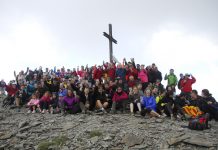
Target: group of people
(108, 88)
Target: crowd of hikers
(109, 88)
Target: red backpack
(199, 123)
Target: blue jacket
(121, 72)
(149, 102)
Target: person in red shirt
(186, 84)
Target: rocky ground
(19, 130)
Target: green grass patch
(95, 133)
(57, 141)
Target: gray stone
(4, 146)
(107, 138)
(34, 124)
(140, 147)
(6, 136)
(22, 124)
(164, 145)
(159, 120)
(69, 125)
(65, 148)
(22, 136)
(19, 146)
(131, 140)
(94, 140)
(24, 129)
(176, 140)
(199, 142)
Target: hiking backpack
(199, 123)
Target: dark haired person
(45, 102)
(135, 100)
(192, 106)
(143, 76)
(71, 103)
(11, 89)
(186, 84)
(101, 100)
(86, 102)
(171, 79)
(119, 100)
(209, 104)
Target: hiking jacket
(120, 96)
(149, 102)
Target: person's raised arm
(133, 62)
(27, 70)
(55, 69)
(124, 61)
(193, 79)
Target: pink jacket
(143, 76)
(33, 102)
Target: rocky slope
(19, 130)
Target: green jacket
(172, 79)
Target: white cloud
(186, 53)
(28, 44)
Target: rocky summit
(22, 131)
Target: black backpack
(199, 123)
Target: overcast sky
(179, 34)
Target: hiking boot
(33, 111)
(29, 111)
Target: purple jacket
(70, 101)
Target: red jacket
(99, 74)
(45, 98)
(11, 91)
(111, 73)
(81, 73)
(120, 97)
(186, 85)
(131, 83)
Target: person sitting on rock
(119, 100)
(33, 104)
(135, 99)
(86, 102)
(159, 102)
(191, 107)
(71, 103)
(45, 102)
(54, 106)
(101, 100)
(149, 105)
(209, 104)
(168, 100)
